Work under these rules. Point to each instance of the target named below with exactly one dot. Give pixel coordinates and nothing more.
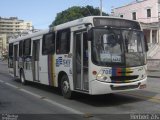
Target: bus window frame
(21, 48)
(25, 47)
(10, 51)
(46, 52)
(67, 41)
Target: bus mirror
(89, 35)
(145, 44)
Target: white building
(148, 13)
(9, 27)
(13, 25)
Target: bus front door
(15, 60)
(81, 61)
(35, 60)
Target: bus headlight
(102, 77)
(143, 76)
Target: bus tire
(22, 78)
(65, 87)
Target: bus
(92, 55)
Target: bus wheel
(65, 87)
(22, 78)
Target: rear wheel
(65, 87)
(22, 78)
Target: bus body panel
(15, 59)
(63, 63)
(105, 88)
(46, 62)
(138, 75)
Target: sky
(42, 12)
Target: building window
(148, 12)
(134, 15)
(121, 16)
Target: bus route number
(107, 71)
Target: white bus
(93, 55)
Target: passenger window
(63, 41)
(20, 48)
(85, 49)
(48, 46)
(11, 50)
(27, 47)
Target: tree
(75, 12)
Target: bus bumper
(98, 87)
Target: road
(43, 100)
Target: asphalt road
(45, 101)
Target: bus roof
(85, 20)
(29, 36)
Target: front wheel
(65, 87)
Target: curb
(153, 76)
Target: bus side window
(20, 48)
(85, 49)
(48, 44)
(11, 50)
(10, 60)
(27, 47)
(63, 42)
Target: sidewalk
(154, 74)
(153, 67)
(4, 62)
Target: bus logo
(59, 61)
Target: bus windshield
(117, 47)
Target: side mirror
(143, 37)
(89, 36)
(145, 44)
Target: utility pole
(100, 7)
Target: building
(10, 27)
(13, 25)
(147, 12)
(3, 44)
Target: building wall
(141, 11)
(150, 25)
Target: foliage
(75, 12)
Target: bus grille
(123, 79)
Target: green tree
(75, 12)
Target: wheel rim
(65, 87)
